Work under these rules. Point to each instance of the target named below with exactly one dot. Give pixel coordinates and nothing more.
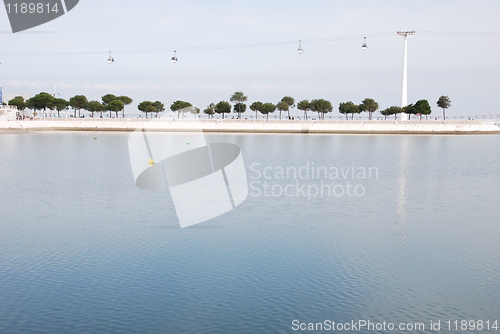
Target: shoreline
(254, 126)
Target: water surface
(85, 250)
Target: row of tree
(45, 101)
(109, 102)
(320, 106)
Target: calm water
(83, 250)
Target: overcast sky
(466, 68)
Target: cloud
(216, 88)
(66, 86)
(263, 87)
(101, 87)
(24, 84)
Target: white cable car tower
(404, 90)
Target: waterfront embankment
(257, 126)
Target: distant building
(8, 113)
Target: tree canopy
(210, 110)
(60, 104)
(126, 101)
(239, 98)
(240, 108)
(423, 107)
(410, 110)
(178, 106)
(108, 98)
(146, 107)
(444, 103)
(394, 110)
(256, 106)
(348, 108)
(321, 106)
(18, 102)
(41, 101)
(267, 108)
(223, 107)
(370, 106)
(115, 106)
(78, 102)
(304, 105)
(282, 106)
(290, 101)
(95, 106)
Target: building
(8, 113)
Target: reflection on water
(83, 250)
(403, 170)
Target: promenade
(258, 126)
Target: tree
(444, 102)
(41, 101)
(108, 98)
(394, 110)
(256, 106)
(240, 108)
(410, 110)
(195, 111)
(210, 110)
(60, 104)
(422, 107)
(78, 102)
(223, 107)
(304, 106)
(126, 101)
(385, 113)
(239, 98)
(115, 106)
(158, 107)
(321, 107)
(146, 106)
(283, 106)
(18, 102)
(267, 108)
(95, 106)
(370, 106)
(290, 101)
(348, 108)
(178, 106)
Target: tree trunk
(444, 116)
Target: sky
(72, 52)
